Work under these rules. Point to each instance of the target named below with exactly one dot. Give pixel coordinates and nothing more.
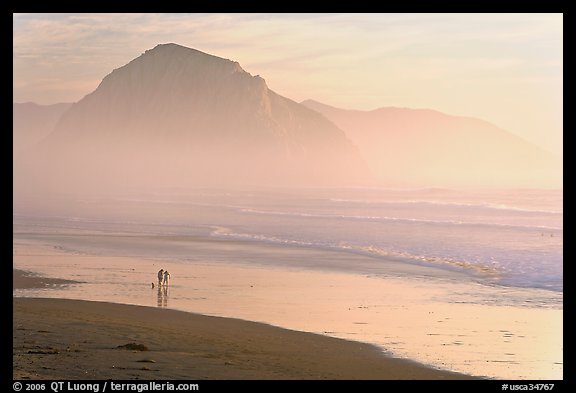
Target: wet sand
(441, 321)
(75, 339)
(22, 279)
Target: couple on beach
(163, 277)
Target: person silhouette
(160, 277)
(166, 278)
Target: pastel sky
(504, 68)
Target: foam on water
(507, 237)
(478, 274)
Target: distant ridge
(426, 147)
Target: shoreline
(84, 335)
(438, 321)
(24, 279)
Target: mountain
(425, 147)
(178, 116)
(33, 122)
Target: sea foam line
(441, 262)
(490, 206)
(394, 219)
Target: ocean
(504, 237)
(496, 255)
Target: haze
(504, 68)
(393, 179)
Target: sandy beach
(439, 321)
(73, 339)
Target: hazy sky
(503, 68)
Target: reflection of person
(166, 278)
(163, 296)
(160, 277)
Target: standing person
(166, 278)
(160, 277)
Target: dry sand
(73, 339)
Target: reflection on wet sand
(162, 296)
(436, 316)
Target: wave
(490, 271)
(391, 204)
(399, 189)
(227, 232)
(441, 262)
(396, 219)
(411, 203)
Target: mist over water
(464, 280)
(499, 237)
